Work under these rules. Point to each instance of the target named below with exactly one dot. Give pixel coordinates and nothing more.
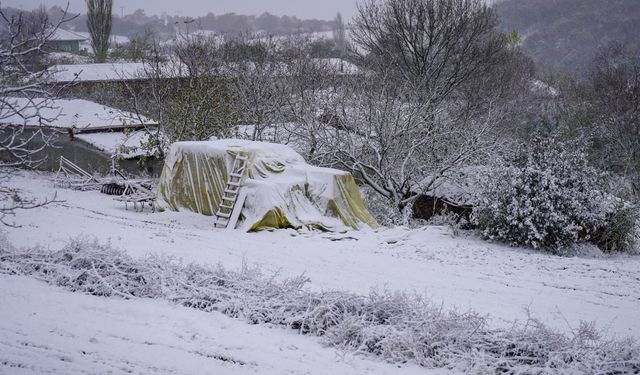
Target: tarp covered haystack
(283, 191)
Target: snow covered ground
(47, 330)
(459, 272)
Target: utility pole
(121, 12)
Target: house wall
(72, 46)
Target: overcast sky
(321, 9)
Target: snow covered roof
(127, 146)
(60, 35)
(115, 39)
(125, 71)
(119, 71)
(80, 115)
(97, 72)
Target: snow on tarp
(77, 114)
(283, 190)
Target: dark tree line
(138, 23)
(566, 34)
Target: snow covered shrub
(548, 197)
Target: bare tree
(438, 45)
(257, 71)
(202, 103)
(435, 90)
(610, 109)
(99, 24)
(340, 34)
(26, 101)
(185, 92)
(393, 143)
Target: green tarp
(282, 190)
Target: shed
(65, 41)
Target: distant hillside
(567, 33)
(139, 23)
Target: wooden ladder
(233, 196)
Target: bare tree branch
(26, 101)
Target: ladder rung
(231, 191)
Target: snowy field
(46, 330)
(73, 333)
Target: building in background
(66, 41)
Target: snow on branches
(25, 94)
(548, 197)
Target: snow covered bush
(548, 197)
(398, 327)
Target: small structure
(257, 186)
(453, 194)
(96, 133)
(65, 41)
(82, 116)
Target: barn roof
(66, 35)
(77, 114)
